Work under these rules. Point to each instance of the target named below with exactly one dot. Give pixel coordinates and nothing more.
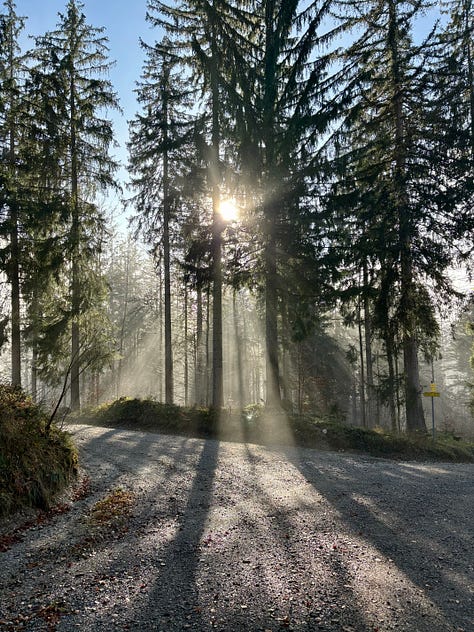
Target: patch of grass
(250, 426)
(34, 465)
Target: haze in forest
(299, 187)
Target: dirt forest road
(236, 537)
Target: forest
(300, 188)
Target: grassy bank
(34, 465)
(255, 426)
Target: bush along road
(173, 533)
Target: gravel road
(236, 537)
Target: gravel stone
(239, 537)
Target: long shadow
(314, 607)
(108, 456)
(431, 544)
(172, 602)
(124, 443)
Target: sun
(228, 210)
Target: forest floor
(173, 533)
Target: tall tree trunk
(239, 342)
(208, 350)
(166, 248)
(414, 410)
(34, 371)
(199, 367)
(14, 267)
(393, 385)
(160, 332)
(369, 370)
(363, 414)
(14, 273)
(186, 351)
(272, 368)
(470, 70)
(273, 395)
(217, 229)
(75, 239)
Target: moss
(34, 465)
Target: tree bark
(14, 267)
(273, 395)
(369, 370)
(199, 367)
(186, 360)
(166, 248)
(75, 240)
(217, 399)
(415, 419)
(239, 342)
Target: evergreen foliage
(347, 145)
(68, 75)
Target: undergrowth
(255, 425)
(34, 464)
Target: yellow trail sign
(432, 392)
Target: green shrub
(34, 464)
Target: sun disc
(228, 210)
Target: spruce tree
(391, 184)
(160, 141)
(13, 202)
(71, 62)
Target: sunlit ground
(241, 537)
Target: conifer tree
(71, 62)
(160, 141)
(199, 34)
(283, 109)
(12, 201)
(390, 175)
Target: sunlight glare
(228, 210)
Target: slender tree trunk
(14, 267)
(393, 384)
(239, 352)
(75, 239)
(369, 370)
(186, 360)
(354, 399)
(217, 230)
(34, 371)
(273, 395)
(14, 270)
(285, 363)
(470, 70)
(208, 350)
(160, 332)
(199, 369)
(362, 369)
(166, 248)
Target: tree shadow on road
(174, 595)
(419, 526)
